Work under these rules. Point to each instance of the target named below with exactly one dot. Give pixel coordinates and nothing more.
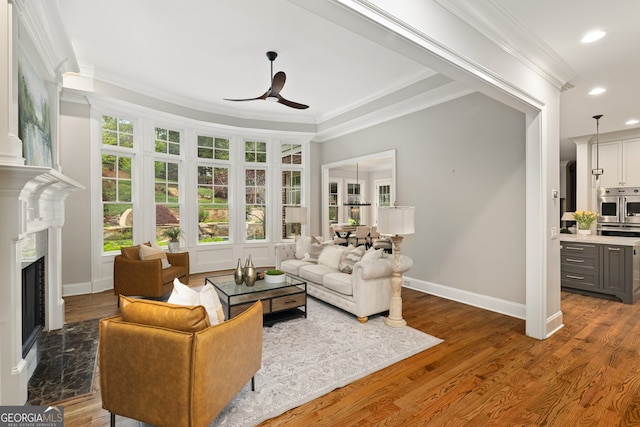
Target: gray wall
(75, 136)
(462, 165)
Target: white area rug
(306, 358)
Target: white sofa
(364, 292)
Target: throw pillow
(372, 254)
(349, 257)
(330, 256)
(303, 244)
(164, 315)
(207, 297)
(130, 252)
(148, 252)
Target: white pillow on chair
(207, 297)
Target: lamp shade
(396, 220)
(295, 214)
(567, 216)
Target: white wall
(462, 165)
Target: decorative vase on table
(582, 232)
(238, 275)
(249, 273)
(174, 246)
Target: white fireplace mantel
(31, 200)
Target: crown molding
(42, 24)
(511, 35)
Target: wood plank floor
(486, 373)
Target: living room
(450, 173)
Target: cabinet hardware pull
(614, 249)
(575, 260)
(569, 276)
(575, 248)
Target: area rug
(66, 363)
(306, 358)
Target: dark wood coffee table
(280, 301)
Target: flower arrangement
(584, 219)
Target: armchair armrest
(179, 259)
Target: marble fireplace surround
(31, 200)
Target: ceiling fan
(273, 93)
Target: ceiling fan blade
(291, 104)
(277, 83)
(263, 96)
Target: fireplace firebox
(33, 305)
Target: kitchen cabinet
(596, 267)
(617, 159)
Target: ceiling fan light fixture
(273, 93)
(593, 36)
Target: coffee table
(280, 301)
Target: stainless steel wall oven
(619, 211)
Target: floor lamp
(396, 222)
(295, 215)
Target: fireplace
(32, 212)
(33, 287)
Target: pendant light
(597, 171)
(357, 199)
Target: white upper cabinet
(620, 162)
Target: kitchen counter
(605, 240)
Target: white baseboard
(71, 289)
(497, 305)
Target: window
(291, 154)
(117, 206)
(384, 195)
(167, 141)
(213, 204)
(333, 203)
(213, 148)
(167, 197)
(256, 203)
(291, 196)
(117, 132)
(255, 152)
(116, 178)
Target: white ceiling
(196, 53)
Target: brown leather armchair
(171, 369)
(135, 277)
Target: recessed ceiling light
(593, 36)
(632, 122)
(597, 91)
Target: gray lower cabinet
(601, 269)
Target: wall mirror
(353, 189)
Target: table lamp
(295, 215)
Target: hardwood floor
(487, 372)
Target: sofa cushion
(150, 252)
(164, 315)
(292, 266)
(205, 296)
(314, 273)
(339, 282)
(330, 256)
